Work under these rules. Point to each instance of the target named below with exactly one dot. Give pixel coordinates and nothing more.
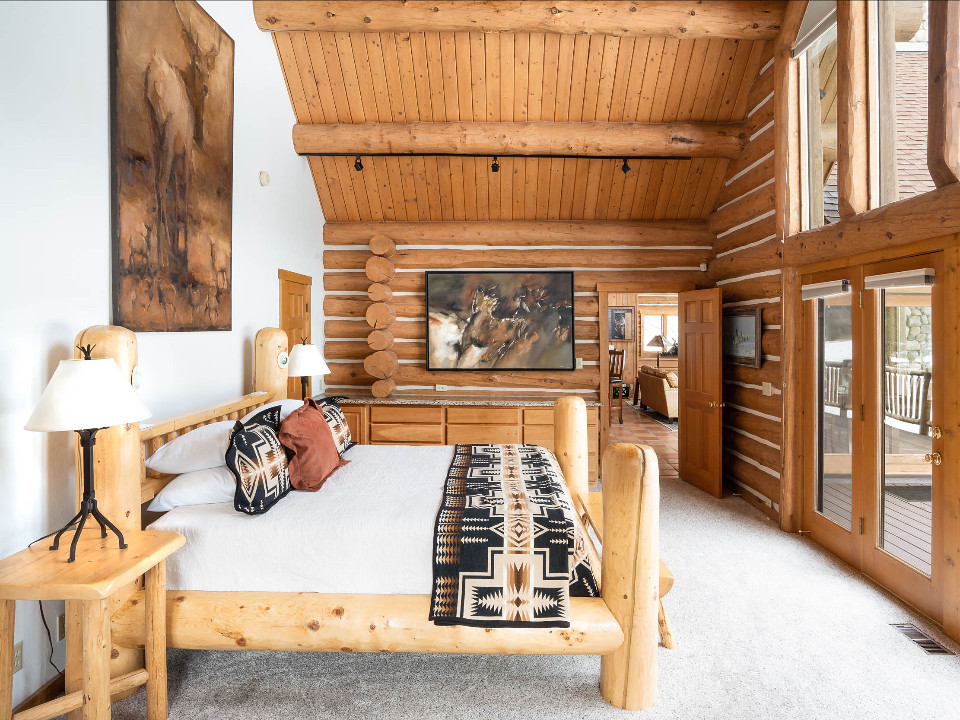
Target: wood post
(381, 364)
(631, 573)
(268, 374)
(572, 445)
(7, 615)
(949, 445)
(853, 121)
(378, 292)
(380, 316)
(155, 645)
(380, 339)
(95, 642)
(72, 678)
(791, 443)
(382, 245)
(943, 118)
(380, 269)
(116, 483)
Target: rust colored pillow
(307, 436)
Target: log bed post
(269, 375)
(630, 578)
(117, 485)
(570, 440)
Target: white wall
(55, 238)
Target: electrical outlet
(440, 388)
(17, 657)
(61, 627)
(579, 363)
(768, 389)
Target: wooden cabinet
(384, 424)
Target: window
(902, 102)
(820, 64)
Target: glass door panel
(834, 488)
(906, 477)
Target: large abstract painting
(500, 320)
(172, 150)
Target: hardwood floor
(639, 428)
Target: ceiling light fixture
(625, 167)
(495, 166)
(357, 165)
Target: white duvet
(369, 529)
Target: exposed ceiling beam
(746, 19)
(540, 138)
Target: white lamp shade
(86, 394)
(306, 360)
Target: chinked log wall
(373, 279)
(747, 266)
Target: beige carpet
(767, 626)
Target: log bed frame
(621, 625)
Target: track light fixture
(357, 165)
(495, 166)
(625, 167)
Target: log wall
(747, 266)
(357, 254)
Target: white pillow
(202, 487)
(286, 407)
(199, 449)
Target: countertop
(441, 399)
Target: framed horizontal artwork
(499, 320)
(741, 337)
(620, 323)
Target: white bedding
(369, 529)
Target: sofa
(658, 390)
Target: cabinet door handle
(933, 458)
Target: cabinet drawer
(482, 416)
(483, 434)
(409, 433)
(538, 416)
(406, 414)
(538, 435)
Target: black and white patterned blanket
(508, 551)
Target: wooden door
(295, 315)
(701, 390)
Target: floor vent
(929, 645)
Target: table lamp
(305, 362)
(659, 343)
(86, 396)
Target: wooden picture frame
(742, 329)
(621, 323)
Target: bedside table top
(101, 567)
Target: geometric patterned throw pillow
(337, 422)
(259, 463)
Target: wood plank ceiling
(450, 76)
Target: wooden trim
(853, 122)
(950, 356)
(943, 113)
(540, 138)
(748, 20)
(291, 276)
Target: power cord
(49, 636)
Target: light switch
(579, 363)
(767, 389)
(440, 388)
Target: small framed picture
(621, 323)
(741, 337)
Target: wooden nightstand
(101, 569)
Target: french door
(872, 476)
